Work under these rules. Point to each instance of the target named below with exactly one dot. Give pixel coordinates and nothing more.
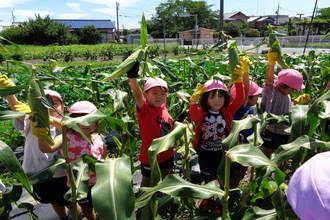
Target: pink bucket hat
(214, 84)
(308, 191)
(291, 78)
(53, 93)
(154, 82)
(82, 107)
(254, 90)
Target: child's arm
(137, 92)
(46, 148)
(246, 80)
(272, 56)
(12, 100)
(56, 122)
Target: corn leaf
(176, 186)
(144, 32)
(117, 204)
(11, 90)
(9, 160)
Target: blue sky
(130, 11)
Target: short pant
(167, 164)
(87, 202)
(273, 140)
(51, 191)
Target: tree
(15, 34)
(90, 35)
(232, 29)
(323, 13)
(44, 31)
(167, 16)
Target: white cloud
(107, 11)
(13, 3)
(72, 16)
(74, 6)
(25, 14)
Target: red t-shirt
(154, 122)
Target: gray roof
(80, 23)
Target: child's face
(215, 101)
(286, 91)
(253, 100)
(87, 130)
(156, 96)
(58, 105)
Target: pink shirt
(78, 146)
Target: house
(203, 34)
(105, 27)
(234, 17)
(258, 21)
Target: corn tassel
(275, 45)
(40, 112)
(233, 61)
(128, 64)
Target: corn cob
(40, 112)
(233, 61)
(128, 64)
(275, 45)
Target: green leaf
(9, 115)
(47, 172)
(257, 213)
(298, 120)
(12, 90)
(9, 160)
(144, 32)
(162, 144)
(312, 115)
(176, 186)
(249, 155)
(287, 151)
(114, 179)
(119, 101)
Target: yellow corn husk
(128, 64)
(275, 45)
(233, 61)
(40, 112)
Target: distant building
(105, 27)
(202, 34)
(234, 17)
(257, 21)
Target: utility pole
(277, 12)
(118, 34)
(221, 15)
(13, 16)
(300, 16)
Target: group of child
(212, 108)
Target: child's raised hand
(239, 72)
(272, 56)
(302, 99)
(246, 63)
(37, 131)
(200, 89)
(4, 81)
(133, 73)
(21, 107)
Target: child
(34, 160)
(78, 146)
(276, 100)
(214, 119)
(308, 192)
(154, 121)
